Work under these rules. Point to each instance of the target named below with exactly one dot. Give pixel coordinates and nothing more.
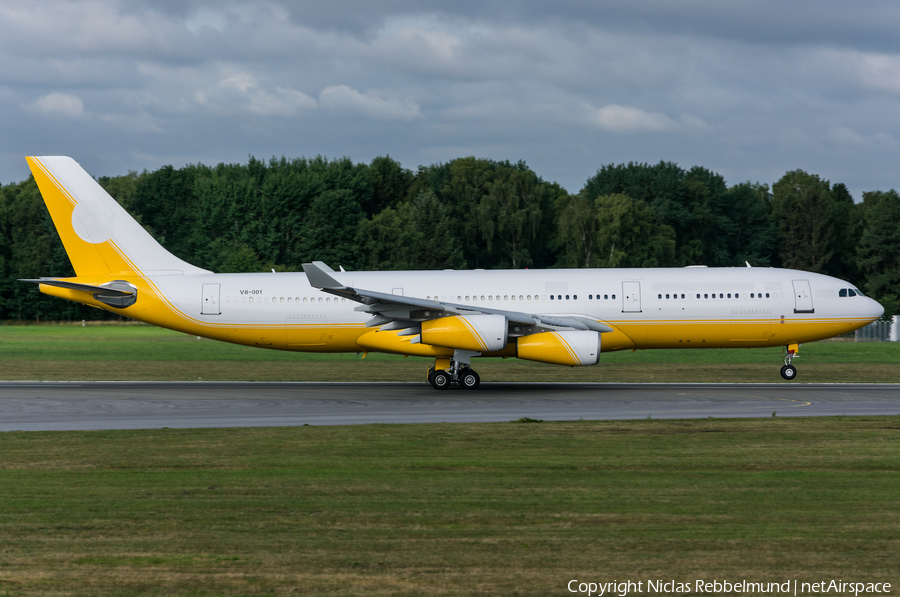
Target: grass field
(474, 509)
(464, 509)
(140, 352)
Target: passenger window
(614, 297)
(698, 295)
(682, 296)
(551, 297)
(721, 295)
(659, 296)
(606, 296)
(667, 296)
(706, 296)
(567, 297)
(559, 297)
(505, 297)
(767, 295)
(574, 297)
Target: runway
(35, 406)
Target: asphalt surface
(152, 405)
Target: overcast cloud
(747, 89)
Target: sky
(748, 89)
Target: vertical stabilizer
(100, 237)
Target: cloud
(242, 92)
(847, 137)
(622, 119)
(880, 71)
(63, 104)
(748, 89)
(345, 99)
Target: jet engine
(480, 332)
(576, 348)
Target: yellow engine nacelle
(576, 348)
(481, 333)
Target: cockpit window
(842, 292)
(852, 292)
(858, 291)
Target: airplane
(561, 316)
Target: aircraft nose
(875, 310)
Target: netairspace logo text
(791, 587)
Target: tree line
(466, 213)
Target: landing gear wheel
(789, 372)
(440, 380)
(468, 379)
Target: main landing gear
(791, 351)
(447, 371)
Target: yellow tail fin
(100, 237)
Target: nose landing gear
(791, 351)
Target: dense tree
(749, 233)
(163, 203)
(509, 217)
(879, 248)
(329, 231)
(691, 203)
(803, 213)
(468, 212)
(630, 235)
(390, 183)
(577, 232)
(416, 235)
(848, 222)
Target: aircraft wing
(401, 312)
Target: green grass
(488, 509)
(140, 352)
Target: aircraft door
(802, 297)
(631, 297)
(209, 304)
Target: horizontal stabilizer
(82, 287)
